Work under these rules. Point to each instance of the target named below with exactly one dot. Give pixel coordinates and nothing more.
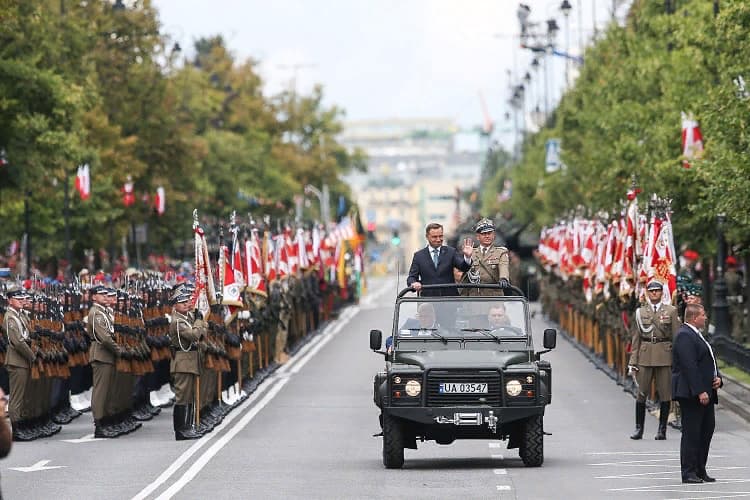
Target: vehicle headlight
(413, 388)
(513, 388)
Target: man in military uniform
(489, 264)
(18, 361)
(735, 299)
(186, 330)
(651, 356)
(103, 355)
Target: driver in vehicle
(497, 317)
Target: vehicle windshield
(475, 319)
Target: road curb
(731, 397)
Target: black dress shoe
(692, 480)
(707, 479)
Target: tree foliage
(622, 119)
(81, 82)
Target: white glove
(243, 315)
(632, 369)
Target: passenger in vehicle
(425, 319)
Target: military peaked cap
(484, 226)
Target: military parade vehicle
(462, 368)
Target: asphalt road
(307, 432)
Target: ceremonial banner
(83, 182)
(692, 140)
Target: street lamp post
(323, 199)
(27, 228)
(565, 7)
(66, 217)
(720, 304)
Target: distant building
(417, 170)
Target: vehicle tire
(393, 442)
(532, 442)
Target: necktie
(435, 257)
(484, 251)
(656, 308)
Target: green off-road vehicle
(462, 367)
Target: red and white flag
(128, 193)
(83, 182)
(160, 200)
(254, 264)
(692, 140)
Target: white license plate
(462, 388)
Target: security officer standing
(651, 356)
(735, 297)
(18, 361)
(490, 264)
(185, 331)
(103, 355)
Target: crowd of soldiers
(124, 345)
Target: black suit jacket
(423, 270)
(692, 366)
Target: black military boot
(181, 424)
(103, 428)
(21, 432)
(640, 418)
(661, 434)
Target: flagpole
(66, 217)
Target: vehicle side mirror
(376, 339)
(550, 338)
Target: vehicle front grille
(490, 377)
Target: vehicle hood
(463, 359)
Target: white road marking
(88, 438)
(40, 465)
(503, 487)
(643, 463)
(220, 443)
(200, 443)
(654, 453)
(678, 485)
(641, 474)
(279, 378)
(497, 457)
(495, 445)
(500, 472)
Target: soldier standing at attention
(651, 356)
(103, 355)
(186, 330)
(490, 264)
(18, 362)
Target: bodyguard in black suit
(695, 379)
(433, 265)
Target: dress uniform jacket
(489, 268)
(652, 340)
(101, 330)
(16, 327)
(185, 333)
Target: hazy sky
(386, 58)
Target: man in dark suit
(695, 379)
(434, 264)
